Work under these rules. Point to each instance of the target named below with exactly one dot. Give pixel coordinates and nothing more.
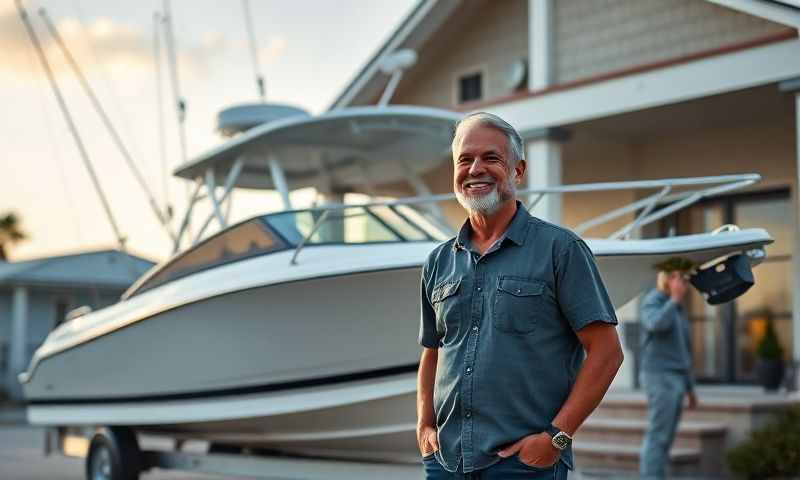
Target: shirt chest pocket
(518, 304)
(444, 300)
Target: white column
(544, 170)
(540, 44)
(18, 346)
(796, 250)
(543, 152)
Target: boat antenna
(254, 50)
(159, 213)
(393, 65)
(180, 103)
(70, 123)
(162, 148)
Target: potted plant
(769, 358)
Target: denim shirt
(504, 324)
(665, 339)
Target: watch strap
(552, 430)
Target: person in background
(666, 364)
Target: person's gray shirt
(666, 339)
(504, 324)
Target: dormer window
(470, 87)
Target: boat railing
(665, 200)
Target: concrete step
(597, 456)
(630, 431)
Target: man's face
(482, 179)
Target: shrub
(771, 452)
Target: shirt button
(480, 289)
(469, 370)
(519, 291)
(468, 414)
(474, 328)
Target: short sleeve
(582, 296)
(428, 336)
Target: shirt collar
(516, 232)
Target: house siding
(485, 35)
(595, 37)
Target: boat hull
(320, 366)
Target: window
(351, 225)
(470, 87)
(355, 225)
(242, 241)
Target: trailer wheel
(113, 455)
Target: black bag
(724, 281)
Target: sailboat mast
(162, 219)
(70, 123)
(254, 50)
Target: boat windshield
(354, 225)
(290, 230)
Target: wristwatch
(560, 440)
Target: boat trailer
(114, 453)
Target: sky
(308, 51)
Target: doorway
(725, 336)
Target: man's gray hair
(493, 121)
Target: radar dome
(240, 118)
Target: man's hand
(427, 440)
(692, 399)
(534, 450)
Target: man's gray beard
(488, 204)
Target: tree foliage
(10, 232)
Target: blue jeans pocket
(433, 470)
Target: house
(619, 90)
(36, 295)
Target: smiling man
(508, 308)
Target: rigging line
(162, 147)
(180, 103)
(56, 153)
(106, 121)
(108, 83)
(248, 19)
(65, 111)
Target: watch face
(561, 441)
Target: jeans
(510, 468)
(665, 392)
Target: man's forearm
(603, 359)
(426, 377)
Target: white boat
(296, 331)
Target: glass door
(770, 299)
(725, 336)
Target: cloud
(271, 52)
(100, 41)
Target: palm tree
(10, 232)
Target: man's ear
(519, 170)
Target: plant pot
(770, 373)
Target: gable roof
(104, 268)
(420, 23)
(429, 15)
